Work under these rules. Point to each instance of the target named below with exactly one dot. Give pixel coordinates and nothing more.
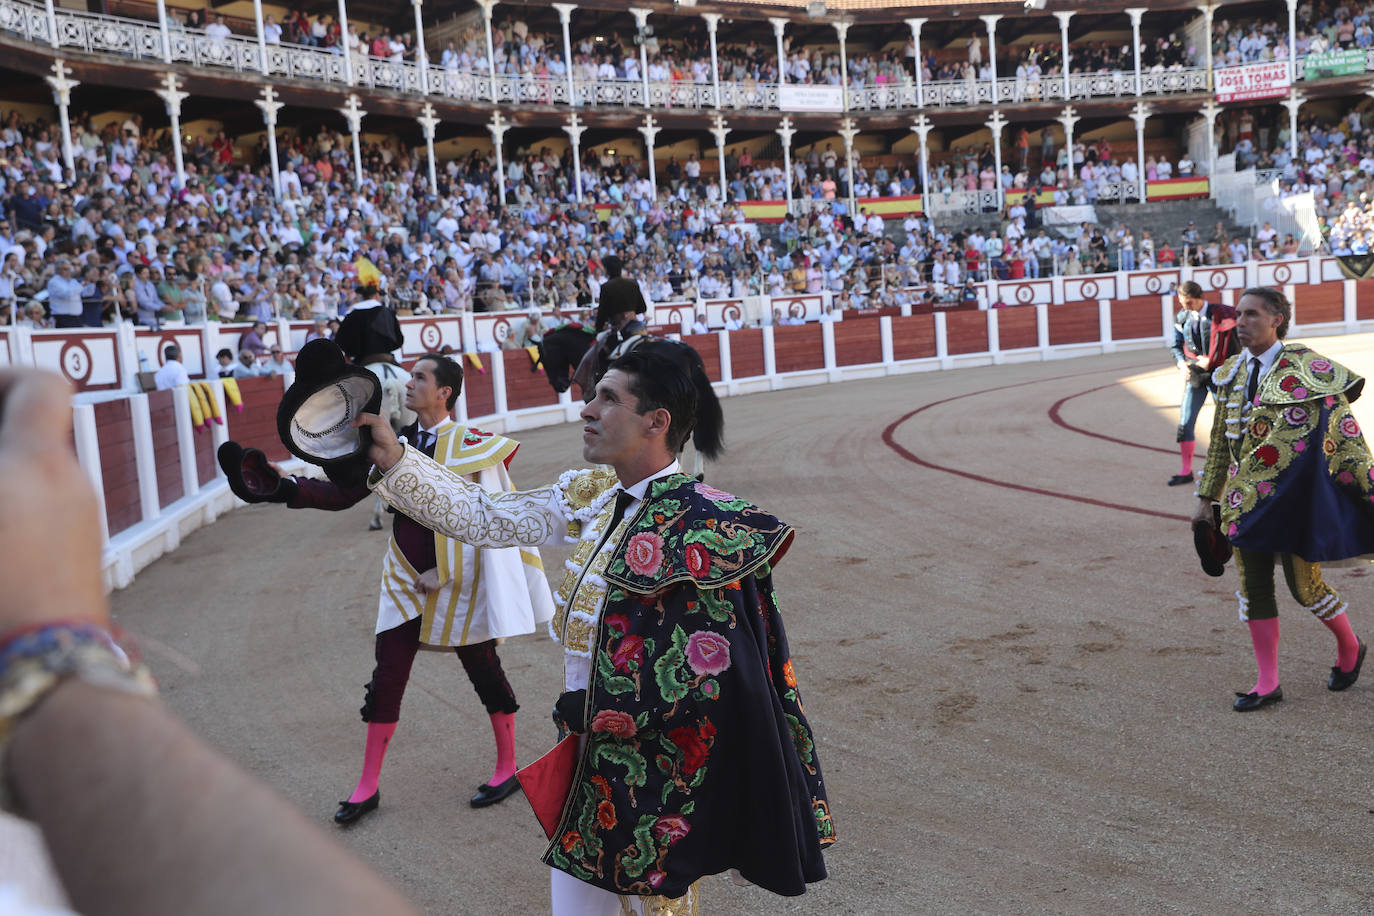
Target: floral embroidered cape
(698, 756)
(1292, 472)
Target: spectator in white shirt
(172, 373)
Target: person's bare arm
(140, 815)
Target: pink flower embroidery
(1264, 487)
(1300, 446)
(1320, 365)
(618, 622)
(707, 652)
(630, 650)
(698, 561)
(1330, 400)
(711, 493)
(655, 877)
(1350, 427)
(644, 553)
(1300, 392)
(671, 827)
(1234, 499)
(1231, 532)
(1296, 416)
(1345, 477)
(618, 723)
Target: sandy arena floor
(1019, 678)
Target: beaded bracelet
(34, 661)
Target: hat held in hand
(1213, 549)
(315, 419)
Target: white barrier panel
(430, 334)
(1331, 270)
(1151, 283)
(1281, 273)
(6, 358)
(492, 328)
(672, 314)
(1026, 292)
(89, 359)
(1090, 288)
(1213, 279)
(805, 307)
(152, 345)
(718, 310)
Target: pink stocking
(1186, 449)
(1347, 646)
(503, 725)
(378, 740)
(1265, 635)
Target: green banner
(1334, 63)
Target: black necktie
(622, 502)
(425, 441)
(1252, 385)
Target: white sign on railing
(1252, 81)
(810, 98)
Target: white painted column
(1293, 103)
(719, 130)
(922, 127)
(50, 13)
(145, 457)
(1210, 112)
(842, 30)
(1139, 114)
(565, 19)
(885, 344)
(1292, 41)
(712, 21)
(778, 26)
(574, 129)
(995, 124)
(172, 97)
(428, 124)
(349, 75)
(186, 440)
(62, 94)
(354, 114)
(486, 6)
(421, 52)
(1064, 18)
(163, 32)
(990, 20)
(87, 436)
(269, 106)
(785, 132)
(915, 26)
(1208, 13)
(1068, 117)
(1135, 13)
(642, 31)
(262, 39)
(650, 130)
(498, 127)
(848, 131)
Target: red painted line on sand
(1060, 421)
(889, 438)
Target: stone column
(564, 19)
(650, 130)
(1292, 41)
(785, 132)
(719, 131)
(349, 75)
(262, 41)
(1139, 114)
(1293, 103)
(712, 21)
(641, 29)
(1135, 13)
(847, 133)
(778, 26)
(62, 94)
(164, 32)
(354, 114)
(172, 97)
(269, 106)
(842, 30)
(922, 128)
(1208, 12)
(1210, 112)
(1068, 118)
(1064, 18)
(915, 26)
(498, 127)
(996, 123)
(574, 129)
(50, 13)
(428, 124)
(487, 6)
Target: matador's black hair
(671, 375)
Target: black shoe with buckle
(1339, 679)
(488, 794)
(351, 812)
(1246, 702)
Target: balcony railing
(140, 40)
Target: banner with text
(810, 98)
(1334, 63)
(1252, 81)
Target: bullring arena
(1019, 679)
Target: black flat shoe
(1179, 480)
(1339, 679)
(1246, 702)
(490, 795)
(350, 812)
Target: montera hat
(618, 296)
(1213, 549)
(315, 418)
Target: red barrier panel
(204, 440)
(1320, 304)
(256, 424)
(858, 343)
(967, 332)
(799, 347)
(914, 337)
(1364, 299)
(477, 385)
(1074, 323)
(746, 353)
(1137, 318)
(525, 388)
(118, 466)
(164, 422)
(708, 348)
(1016, 328)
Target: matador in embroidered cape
(698, 756)
(1295, 482)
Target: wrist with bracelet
(36, 660)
